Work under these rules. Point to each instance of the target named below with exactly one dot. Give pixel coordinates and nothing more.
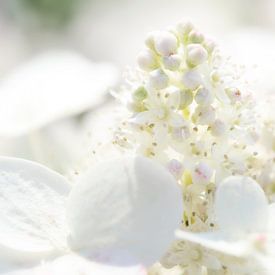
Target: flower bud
(218, 128)
(166, 43)
(203, 97)
(149, 40)
(202, 173)
(209, 45)
(140, 94)
(171, 62)
(195, 37)
(196, 54)
(184, 28)
(175, 168)
(158, 79)
(186, 98)
(181, 133)
(146, 60)
(233, 93)
(215, 77)
(204, 115)
(191, 80)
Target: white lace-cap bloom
(242, 211)
(135, 211)
(51, 86)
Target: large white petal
(215, 241)
(32, 206)
(74, 264)
(241, 206)
(131, 203)
(52, 86)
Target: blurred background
(113, 30)
(80, 34)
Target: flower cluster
(190, 109)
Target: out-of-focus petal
(52, 86)
(32, 206)
(115, 263)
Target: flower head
(196, 117)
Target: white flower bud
(218, 128)
(196, 54)
(192, 80)
(149, 40)
(204, 115)
(166, 43)
(186, 98)
(209, 45)
(184, 27)
(158, 79)
(215, 76)
(181, 133)
(203, 97)
(146, 60)
(234, 94)
(202, 173)
(195, 37)
(171, 62)
(175, 168)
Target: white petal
(74, 264)
(176, 120)
(50, 87)
(215, 241)
(32, 218)
(173, 100)
(143, 118)
(131, 203)
(271, 222)
(241, 206)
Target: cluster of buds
(190, 110)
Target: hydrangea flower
(104, 224)
(190, 109)
(245, 225)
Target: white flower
(196, 54)
(192, 80)
(158, 79)
(160, 113)
(165, 43)
(129, 204)
(146, 60)
(244, 219)
(213, 128)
